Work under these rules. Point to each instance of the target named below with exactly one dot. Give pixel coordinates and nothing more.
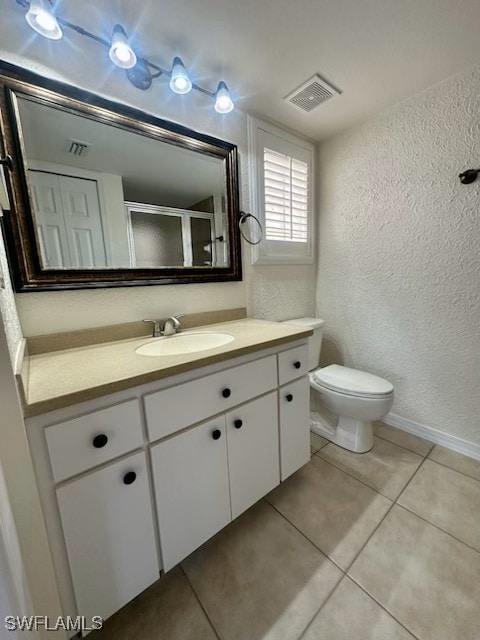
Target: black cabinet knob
(226, 393)
(289, 397)
(130, 477)
(216, 434)
(238, 424)
(100, 441)
(297, 364)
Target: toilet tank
(315, 341)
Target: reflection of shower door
(202, 245)
(168, 237)
(68, 217)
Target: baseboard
(459, 445)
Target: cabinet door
(253, 458)
(294, 403)
(191, 486)
(108, 527)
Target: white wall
(17, 469)
(399, 256)
(266, 291)
(8, 311)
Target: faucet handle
(157, 332)
(176, 319)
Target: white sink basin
(183, 343)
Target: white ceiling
(377, 52)
(152, 172)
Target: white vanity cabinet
(109, 535)
(210, 474)
(294, 410)
(133, 482)
(252, 443)
(190, 474)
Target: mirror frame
(18, 223)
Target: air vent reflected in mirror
(77, 148)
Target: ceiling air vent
(77, 147)
(311, 94)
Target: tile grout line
(348, 575)
(303, 534)
(406, 448)
(368, 539)
(332, 464)
(389, 613)
(408, 483)
(394, 502)
(309, 624)
(197, 597)
(451, 468)
(432, 524)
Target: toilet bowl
(354, 398)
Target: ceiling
(377, 52)
(152, 172)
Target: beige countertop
(64, 377)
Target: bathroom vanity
(140, 460)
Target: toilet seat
(351, 382)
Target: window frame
(278, 251)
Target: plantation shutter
(286, 193)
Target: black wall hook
(469, 176)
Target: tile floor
(381, 546)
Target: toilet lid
(352, 382)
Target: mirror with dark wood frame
(104, 195)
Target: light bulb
(41, 18)
(223, 101)
(121, 53)
(179, 80)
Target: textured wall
(267, 292)
(399, 257)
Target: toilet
(352, 398)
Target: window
(281, 175)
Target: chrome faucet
(171, 325)
(157, 332)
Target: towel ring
(243, 218)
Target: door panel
(191, 486)
(49, 219)
(109, 534)
(83, 222)
(294, 402)
(253, 451)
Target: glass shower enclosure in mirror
(105, 195)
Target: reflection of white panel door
(49, 218)
(69, 223)
(83, 222)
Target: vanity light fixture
(223, 101)
(139, 71)
(41, 18)
(121, 53)
(179, 80)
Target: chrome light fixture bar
(140, 72)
